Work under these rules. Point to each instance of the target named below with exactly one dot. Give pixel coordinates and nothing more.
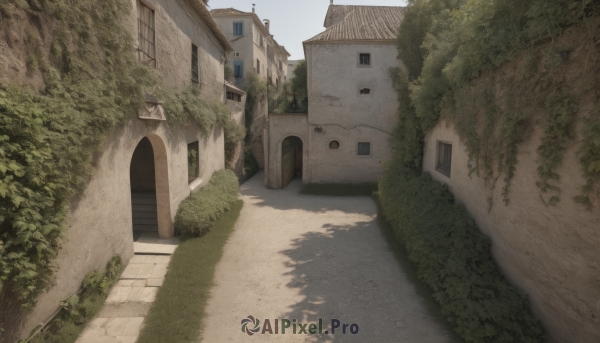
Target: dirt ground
(305, 257)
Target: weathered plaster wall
(100, 223)
(552, 253)
(336, 105)
(282, 126)
(177, 28)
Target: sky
(294, 21)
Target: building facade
(352, 103)
(256, 50)
(147, 156)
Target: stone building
(254, 49)
(352, 103)
(148, 166)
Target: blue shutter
(238, 68)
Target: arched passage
(150, 200)
(291, 159)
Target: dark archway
(291, 160)
(142, 174)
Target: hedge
(197, 213)
(453, 258)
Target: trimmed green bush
(453, 258)
(197, 213)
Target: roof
(233, 88)
(349, 23)
(201, 9)
(228, 12)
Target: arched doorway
(150, 200)
(291, 160)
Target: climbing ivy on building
(552, 49)
(93, 83)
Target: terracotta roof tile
(362, 23)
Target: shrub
(197, 213)
(453, 258)
(250, 163)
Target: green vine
(500, 68)
(92, 84)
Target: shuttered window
(146, 35)
(238, 69)
(444, 158)
(238, 29)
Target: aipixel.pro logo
(251, 326)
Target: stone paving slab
(122, 317)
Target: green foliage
(453, 258)
(234, 133)
(300, 78)
(80, 308)
(93, 83)
(453, 51)
(256, 90)
(197, 213)
(250, 163)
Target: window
(444, 158)
(364, 149)
(238, 29)
(234, 97)
(236, 54)
(364, 59)
(334, 145)
(280, 66)
(238, 69)
(193, 161)
(195, 76)
(262, 42)
(365, 91)
(146, 52)
(258, 66)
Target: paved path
(122, 316)
(304, 257)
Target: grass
(177, 314)
(340, 189)
(78, 311)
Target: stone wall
(100, 221)
(552, 253)
(337, 110)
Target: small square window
(364, 59)
(365, 91)
(193, 161)
(364, 149)
(238, 29)
(444, 158)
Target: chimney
(267, 23)
(254, 11)
(331, 2)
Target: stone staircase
(144, 214)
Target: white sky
(294, 21)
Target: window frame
(239, 24)
(368, 91)
(359, 62)
(334, 141)
(146, 49)
(239, 64)
(358, 154)
(442, 153)
(195, 65)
